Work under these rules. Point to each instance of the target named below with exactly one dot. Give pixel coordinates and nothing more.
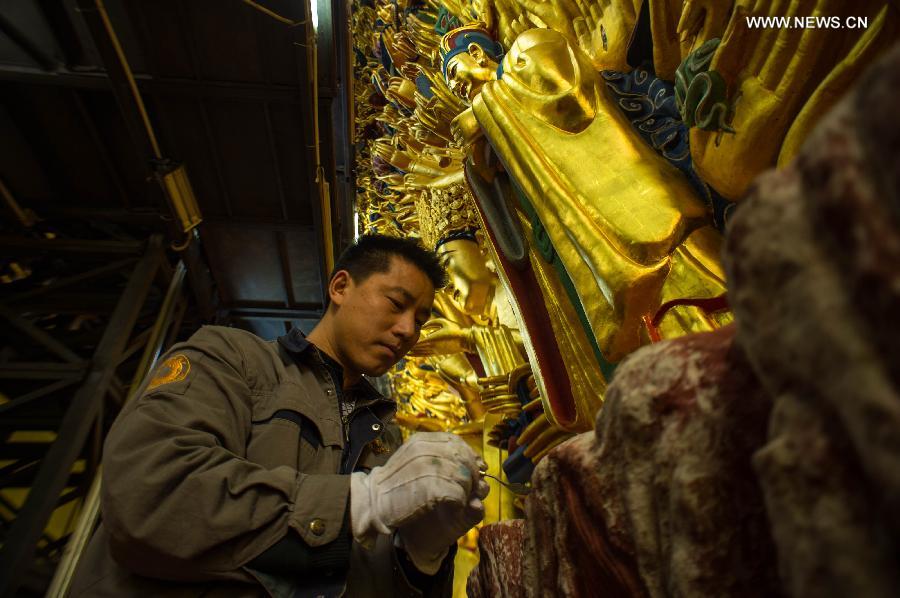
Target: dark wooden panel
(295, 160)
(247, 163)
(124, 166)
(303, 259)
(66, 149)
(276, 43)
(27, 19)
(245, 262)
(184, 138)
(163, 37)
(227, 46)
(225, 89)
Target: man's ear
(339, 286)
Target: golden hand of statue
(410, 70)
(386, 13)
(402, 90)
(457, 370)
(443, 99)
(485, 12)
(424, 135)
(390, 154)
(465, 129)
(442, 337)
(415, 421)
(390, 115)
(406, 140)
(770, 73)
(405, 47)
(421, 33)
(405, 205)
(429, 120)
(512, 20)
(541, 436)
(700, 21)
(384, 225)
(415, 182)
(558, 15)
(603, 29)
(407, 219)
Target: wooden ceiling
(226, 86)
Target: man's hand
(428, 539)
(432, 469)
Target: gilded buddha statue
(470, 324)
(626, 226)
(471, 319)
(644, 274)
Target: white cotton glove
(428, 538)
(431, 469)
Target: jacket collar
(296, 343)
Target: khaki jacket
(235, 445)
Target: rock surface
(661, 499)
(576, 553)
(813, 261)
(675, 440)
(499, 572)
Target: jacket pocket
(285, 431)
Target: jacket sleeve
(179, 498)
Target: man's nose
(405, 327)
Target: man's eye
(395, 303)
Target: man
(253, 468)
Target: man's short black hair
(371, 254)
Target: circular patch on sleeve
(174, 369)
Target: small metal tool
(514, 487)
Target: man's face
(378, 320)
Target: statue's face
(467, 72)
(541, 61)
(473, 282)
(551, 79)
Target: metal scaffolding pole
(90, 512)
(39, 336)
(18, 552)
